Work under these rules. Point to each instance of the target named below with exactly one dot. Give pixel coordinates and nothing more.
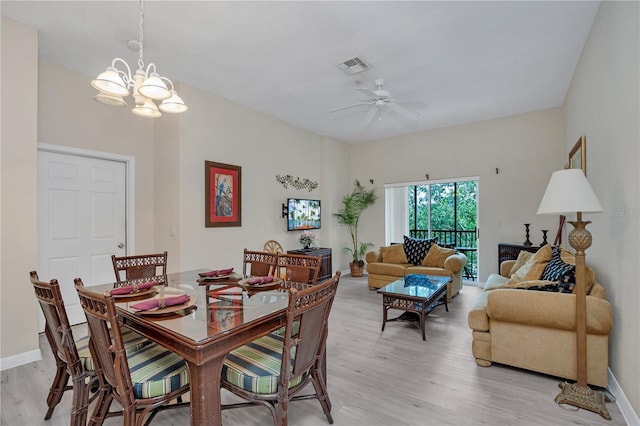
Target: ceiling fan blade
(402, 110)
(349, 106)
(367, 92)
(371, 115)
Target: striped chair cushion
(255, 367)
(156, 371)
(132, 342)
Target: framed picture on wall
(578, 155)
(222, 183)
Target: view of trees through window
(447, 211)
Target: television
(303, 214)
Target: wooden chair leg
(58, 387)
(105, 398)
(322, 394)
(80, 404)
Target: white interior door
(81, 222)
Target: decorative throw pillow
(543, 285)
(531, 285)
(533, 268)
(417, 249)
(523, 256)
(393, 254)
(437, 255)
(557, 270)
(589, 276)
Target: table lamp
(569, 191)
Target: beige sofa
(536, 330)
(382, 272)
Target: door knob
(121, 245)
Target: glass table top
(221, 305)
(416, 285)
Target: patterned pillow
(417, 249)
(557, 287)
(559, 271)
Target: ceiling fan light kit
(148, 87)
(379, 99)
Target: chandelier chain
(150, 91)
(141, 35)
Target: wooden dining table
(223, 317)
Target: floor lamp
(569, 191)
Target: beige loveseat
(536, 330)
(389, 263)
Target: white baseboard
(630, 416)
(20, 359)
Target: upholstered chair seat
(255, 367)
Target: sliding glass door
(443, 209)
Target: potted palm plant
(353, 204)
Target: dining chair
(259, 263)
(142, 381)
(141, 266)
(299, 268)
(73, 357)
(272, 246)
(272, 369)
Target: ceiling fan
(379, 100)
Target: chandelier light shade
(146, 86)
(173, 104)
(148, 109)
(109, 99)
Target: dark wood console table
(508, 251)
(325, 267)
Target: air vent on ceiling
(353, 66)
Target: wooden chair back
(310, 307)
(259, 263)
(272, 246)
(299, 267)
(142, 266)
(304, 335)
(106, 336)
(110, 355)
(60, 337)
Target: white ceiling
(453, 62)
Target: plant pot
(356, 269)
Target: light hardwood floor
(374, 378)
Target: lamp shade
(173, 105)
(109, 99)
(148, 109)
(110, 82)
(569, 191)
(153, 87)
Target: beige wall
(603, 103)
(216, 129)
(18, 165)
(525, 148)
(68, 116)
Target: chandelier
(150, 91)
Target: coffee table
(415, 294)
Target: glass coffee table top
(416, 285)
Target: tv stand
(325, 266)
